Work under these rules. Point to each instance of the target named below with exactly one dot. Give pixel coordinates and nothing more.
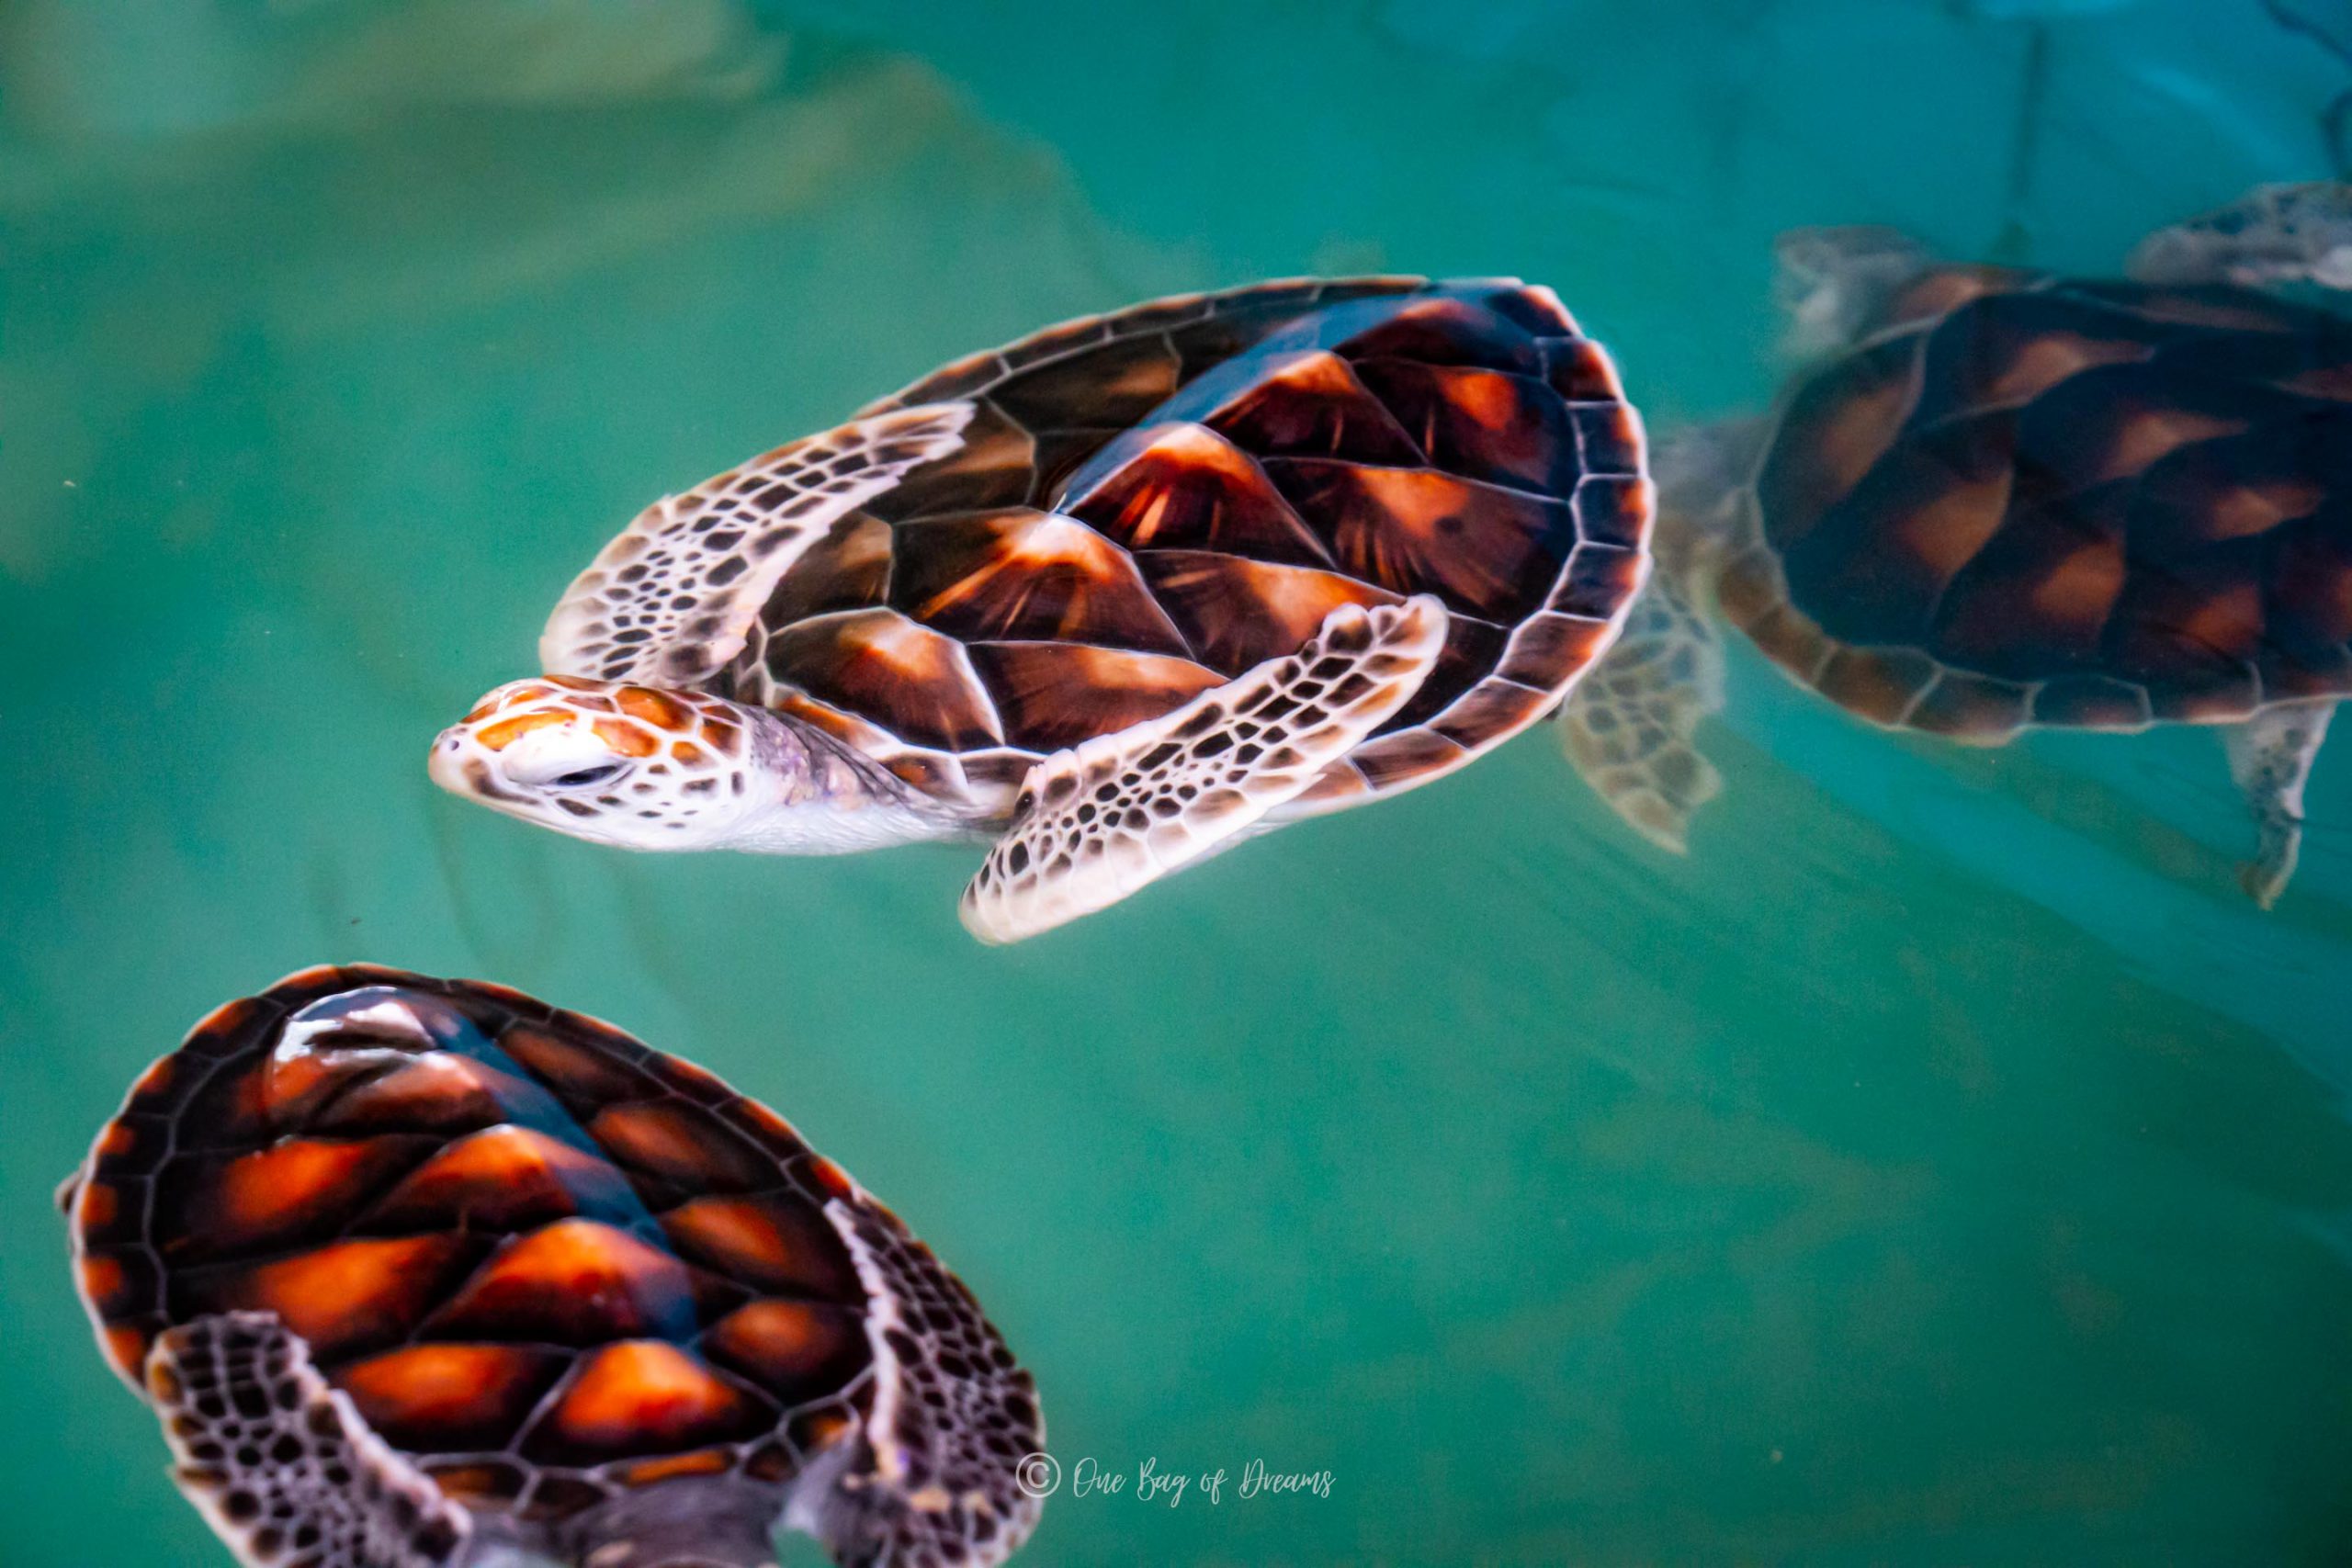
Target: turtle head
(636, 766)
(1833, 285)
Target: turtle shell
(1148, 504)
(2026, 501)
(550, 1265)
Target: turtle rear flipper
(2270, 758)
(281, 1465)
(1630, 727)
(2276, 233)
(937, 1478)
(1122, 810)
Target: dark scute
(1483, 550)
(1053, 694)
(1483, 424)
(1186, 488)
(1448, 330)
(1025, 575)
(1836, 425)
(1314, 406)
(1108, 385)
(846, 569)
(1473, 648)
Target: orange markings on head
(498, 736)
(628, 740)
(655, 708)
(687, 752)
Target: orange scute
(2051, 359)
(352, 1291)
(2258, 508)
(286, 1189)
(504, 1178)
(702, 1462)
(577, 1281)
(2077, 593)
(783, 1344)
(682, 1142)
(767, 1241)
(645, 1394)
(2146, 436)
(446, 1395)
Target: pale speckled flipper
(2276, 233)
(2270, 758)
(1630, 724)
(952, 1419)
(1097, 823)
(669, 601)
(279, 1464)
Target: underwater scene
(1797, 553)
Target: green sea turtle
(424, 1273)
(1997, 500)
(1114, 597)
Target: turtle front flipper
(2270, 758)
(673, 598)
(281, 1465)
(1631, 725)
(1095, 824)
(944, 1474)
(2277, 233)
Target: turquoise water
(1943, 1166)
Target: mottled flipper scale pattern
(671, 599)
(953, 1421)
(1630, 726)
(280, 1464)
(1097, 823)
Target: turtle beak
(458, 764)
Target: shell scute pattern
(2033, 501)
(1151, 501)
(543, 1262)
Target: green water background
(1943, 1166)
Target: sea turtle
(1115, 595)
(2009, 500)
(424, 1273)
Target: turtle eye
(584, 778)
